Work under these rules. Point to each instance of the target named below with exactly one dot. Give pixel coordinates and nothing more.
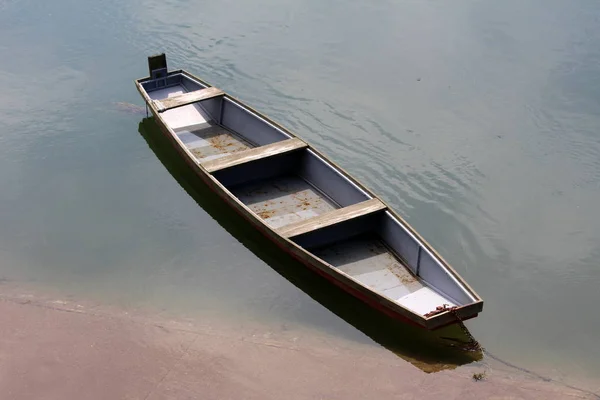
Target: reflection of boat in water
(304, 203)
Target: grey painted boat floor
(196, 130)
(368, 260)
(208, 141)
(283, 200)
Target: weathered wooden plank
(187, 98)
(256, 153)
(331, 218)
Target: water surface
(476, 120)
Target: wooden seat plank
(187, 98)
(331, 218)
(256, 153)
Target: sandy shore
(56, 349)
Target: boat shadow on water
(430, 351)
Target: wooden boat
(305, 203)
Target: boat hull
(316, 264)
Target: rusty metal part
(440, 309)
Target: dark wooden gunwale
(339, 278)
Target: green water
(476, 120)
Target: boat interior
(302, 196)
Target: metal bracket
(157, 68)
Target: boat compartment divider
(331, 218)
(187, 98)
(257, 153)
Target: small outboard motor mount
(157, 67)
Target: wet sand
(53, 348)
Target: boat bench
(257, 153)
(187, 98)
(331, 218)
